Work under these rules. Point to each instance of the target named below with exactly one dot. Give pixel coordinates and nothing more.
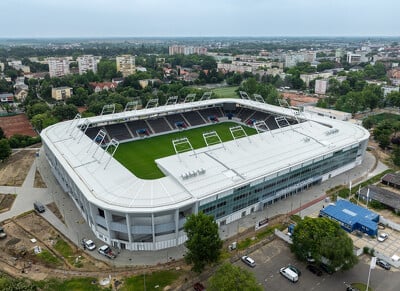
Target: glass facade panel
(289, 183)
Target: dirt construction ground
(15, 169)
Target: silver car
(249, 261)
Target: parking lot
(273, 256)
(387, 248)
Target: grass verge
(151, 281)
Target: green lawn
(139, 156)
(226, 92)
(74, 284)
(384, 116)
(160, 279)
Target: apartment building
(186, 50)
(58, 67)
(61, 93)
(292, 59)
(87, 63)
(126, 65)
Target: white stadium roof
(199, 174)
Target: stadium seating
(173, 119)
(159, 125)
(209, 112)
(135, 125)
(194, 118)
(244, 114)
(118, 131)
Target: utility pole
(371, 266)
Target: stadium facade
(291, 152)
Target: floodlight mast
(283, 103)
(189, 98)
(244, 95)
(84, 128)
(258, 98)
(113, 143)
(212, 138)
(152, 103)
(131, 105)
(282, 122)
(259, 125)
(206, 96)
(238, 132)
(98, 140)
(73, 125)
(177, 143)
(107, 109)
(172, 100)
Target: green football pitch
(139, 156)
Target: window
(101, 212)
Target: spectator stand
(142, 132)
(180, 125)
(213, 118)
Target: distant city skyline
(197, 18)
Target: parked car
(326, 268)
(383, 264)
(314, 269)
(382, 237)
(107, 251)
(39, 207)
(88, 244)
(199, 287)
(289, 274)
(295, 269)
(249, 261)
(3, 234)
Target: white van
(289, 274)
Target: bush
(21, 141)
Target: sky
(197, 18)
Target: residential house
(6, 97)
(103, 86)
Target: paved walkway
(75, 227)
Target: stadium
(136, 175)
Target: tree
(203, 244)
(2, 135)
(5, 149)
(325, 241)
(396, 155)
(230, 278)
